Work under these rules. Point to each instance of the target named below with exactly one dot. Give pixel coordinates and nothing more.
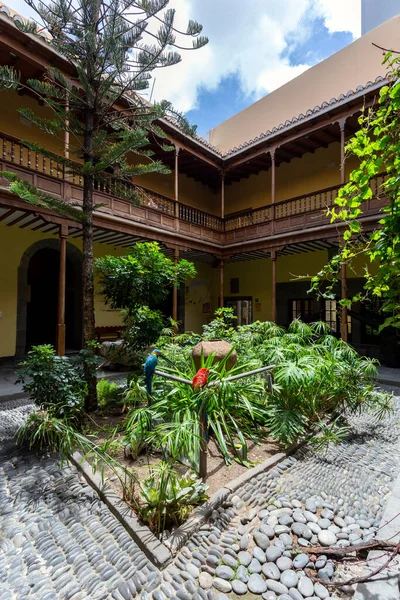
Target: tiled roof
(310, 113)
(341, 99)
(17, 18)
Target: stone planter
(219, 348)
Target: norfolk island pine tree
(112, 47)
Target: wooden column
(66, 132)
(343, 321)
(176, 187)
(222, 195)
(273, 185)
(273, 294)
(343, 271)
(342, 125)
(60, 334)
(175, 290)
(221, 284)
(272, 153)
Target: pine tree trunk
(88, 265)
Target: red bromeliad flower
(200, 380)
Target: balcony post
(273, 186)
(342, 125)
(272, 153)
(60, 333)
(67, 176)
(221, 284)
(222, 194)
(66, 132)
(175, 290)
(176, 187)
(274, 256)
(343, 270)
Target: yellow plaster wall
(200, 291)
(104, 315)
(14, 124)
(191, 192)
(13, 243)
(255, 279)
(302, 175)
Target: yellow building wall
(255, 277)
(16, 125)
(11, 122)
(301, 176)
(13, 243)
(201, 294)
(104, 315)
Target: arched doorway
(38, 297)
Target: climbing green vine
(377, 146)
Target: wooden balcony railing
(19, 155)
(307, 210)
(315, 202)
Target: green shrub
(108, 393)
(54, 383)
(166, 498)
(316, 376)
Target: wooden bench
(108, 333)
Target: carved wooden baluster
(29, 158)
(12, 151)
(36, 161)
(4, 148)
(21, 154)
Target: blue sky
(228, 98)
(255, 47)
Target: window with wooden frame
(300, 309)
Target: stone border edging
(161, 554)
(199, 516)
(157, 552)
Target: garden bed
(219, 473)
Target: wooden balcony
(159, 214)
(298, 213)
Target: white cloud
(250, 39)
(341, 15)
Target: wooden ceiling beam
(29, 223)
(18, 219)
(7, 214)
(276, 143)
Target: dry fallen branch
(343, 552)
(338, 553)
(369, 576)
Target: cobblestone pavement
(308, 499)
(59, 542)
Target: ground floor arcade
(40, 276)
